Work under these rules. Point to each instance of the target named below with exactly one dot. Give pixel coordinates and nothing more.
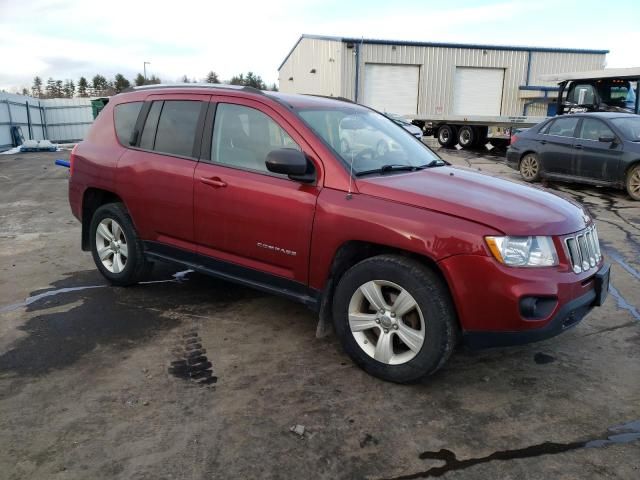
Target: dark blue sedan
(599, 148)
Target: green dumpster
(97, 104)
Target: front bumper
(489, 299)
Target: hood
(509, 207)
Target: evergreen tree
(100, 85)
(153, 80)
(59, 92)
(274, 87)
(25, 91)
(36, 89)
(120, 83)
(50, 89)
(237, 80)
(139, 80)
(69, 89)
(250, 80)
(212, 77)
(185, 79)
(83, 85)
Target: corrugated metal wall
(58, 119)
(67, 119)
(438, 67)
(437, 71)
(546, 62)
(323, 56)
(13, 111)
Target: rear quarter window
(125, 116)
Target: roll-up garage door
(392, 88)
(477, 91)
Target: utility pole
(144, 67)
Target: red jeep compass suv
(332, 204)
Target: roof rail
(199, 85)
(340, 99)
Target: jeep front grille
(583, 250)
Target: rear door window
(563, 127)
(171, 127)
(593, 129)
(125, 116)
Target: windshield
(367, 141)
(629, 126)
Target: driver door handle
(214, 182)
(578, 147)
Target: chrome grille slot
(583, 250)
(592, 250)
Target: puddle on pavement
(618, 434)
(177, 277)
(119, 318)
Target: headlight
(523, 251)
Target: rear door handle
(214, 182)
(578, 147)
(543, 142)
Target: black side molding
(235, 273)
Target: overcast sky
(73, 38)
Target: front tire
(633, 182)
(395, 318)
(530, 168)
(117, 251)
(447, 135)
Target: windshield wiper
(392, 167)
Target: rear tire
(417, 332)
(117, 251)
(447, 135)
(632, 182)
(530, 167)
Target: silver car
(406, 124)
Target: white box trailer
(442, 87)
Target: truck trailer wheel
(447, 135)
(467, 136)
(395, 318)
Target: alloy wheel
(386, 322)
(634, 183)
(529, 167)
(111, 245)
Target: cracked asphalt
(85, 388)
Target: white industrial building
(426, 80)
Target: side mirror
(291, 162)
(607, 139)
